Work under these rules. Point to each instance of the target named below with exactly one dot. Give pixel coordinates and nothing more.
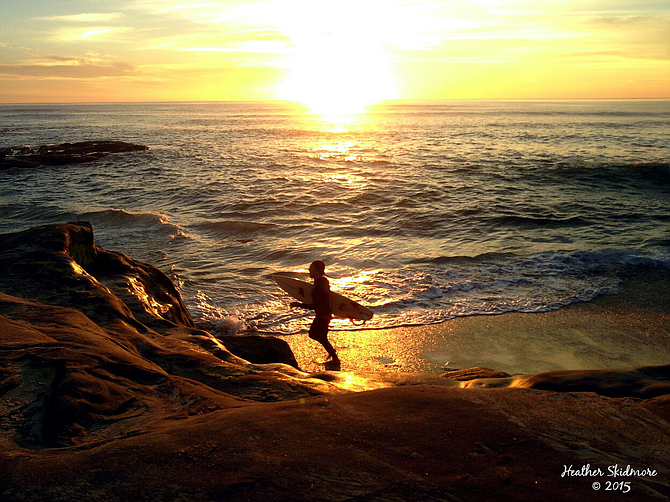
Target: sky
(332, 52)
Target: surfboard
(342, 306)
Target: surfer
(321, 306)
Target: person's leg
(329, 348)
(319, 332)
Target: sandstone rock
(643, 382)
(473, 373)
(62, 265)
(92, 342)
(410, 443)
(260, 349)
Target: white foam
(230, 325)
(429, 293)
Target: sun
(335, 76)
(337, 65)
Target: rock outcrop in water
(63, 153)
(108, 392)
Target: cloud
(639, 37)
(65, 71)
(166, 5)
(236, 45)
(92, 26)
(628, 22)
(90, 66)
(204, 11)
(252, 42)
(89, 33)
(97, 17)
(249, 47)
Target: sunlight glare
(338, 65)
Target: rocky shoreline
(109, 392)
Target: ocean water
(421, 211)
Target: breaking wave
(120, 218)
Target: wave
(122, 218)
(621, 173)
(34, 212)
(539, 221)
(463, 259)
(433, 290)
(600, 262)
(236, 226)
(456, 184)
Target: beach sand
(629, 328)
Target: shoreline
(624, 329)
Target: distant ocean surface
(422, 211)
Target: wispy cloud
(640, 37)
(90, 33)
(250, 47)
(96, 17)
(72, 68)
(91, 26)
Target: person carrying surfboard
(318, 331)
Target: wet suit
(321, 305)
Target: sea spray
(231, 325)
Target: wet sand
(629, 328)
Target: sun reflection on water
(353, 281)
(338, 123)
(346, 180)
(343, 151)
(336, 151)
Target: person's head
(317, 269)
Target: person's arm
(308, 306)
(319, 293)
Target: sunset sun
(334, 78)
(337, 64)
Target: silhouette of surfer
(321, 306)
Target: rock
(659, 406)
(147, 291)
(473, 373)
(93, 343)
(643, 382)
(62, 265)
(260, 349)
(63, 153)
(96, 404)
(414, 443)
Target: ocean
(422, 211)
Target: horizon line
(386, 101)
